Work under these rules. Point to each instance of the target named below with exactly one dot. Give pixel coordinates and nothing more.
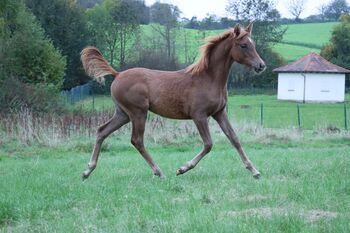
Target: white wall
(325, 87)
(290, 86)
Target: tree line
(41, 43)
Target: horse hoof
(256, 176)
(160, 175)
(84, 176)
(179, 172)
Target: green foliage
(335, 9)
(113, 26)
(65, 24)
(26, 53)
(32, 69)
(267, 28)
(338, 50)
(165, 16)
(39, 97)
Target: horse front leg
(203, 129)
(224, 123)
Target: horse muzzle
(260, 68)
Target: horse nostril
(262, 66)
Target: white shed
(311, 79)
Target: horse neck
(220, 62)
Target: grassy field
(304, 185)
(299, 39)
(276, 114)
(316, 34)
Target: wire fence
(283, 115)
(77, 94)
(268, 113)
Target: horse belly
(173, 110)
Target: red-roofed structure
(311, 79)
(312, 63)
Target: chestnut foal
(197, 92)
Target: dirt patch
(265, 212)
(178, 200)
(316, 215)
(257, 197)
(310, 216)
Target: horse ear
(237, 30)
(249, 28)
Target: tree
(141, 11)
(322, 10)
(64, 23)
(31, 69)
(267, 29)
(165, 16)
(338, 49)
(113, 25)
(125, 17)
(89, 3)
(296, 7)
(25, 51)
(336, 8)
(193, 23)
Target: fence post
(299, 118)
(345, 117)
(93, 102)
(262, 114)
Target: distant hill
(301, 39)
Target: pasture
(299, 39)
(304, 185)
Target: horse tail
(95, 65)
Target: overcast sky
(200, 8)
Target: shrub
(39, 97)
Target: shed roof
(311, 63)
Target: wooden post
(345, 117)
(299, 118)
(93, 102)
(262, 114)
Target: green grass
(309, 33)
(283, 114)
(301, 39)
(304, 186)
(293, 52)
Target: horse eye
(243, 46)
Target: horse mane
(203, 63)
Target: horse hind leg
(118, 120)
(138, 128)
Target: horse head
(243, 50)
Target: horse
(194, 93)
